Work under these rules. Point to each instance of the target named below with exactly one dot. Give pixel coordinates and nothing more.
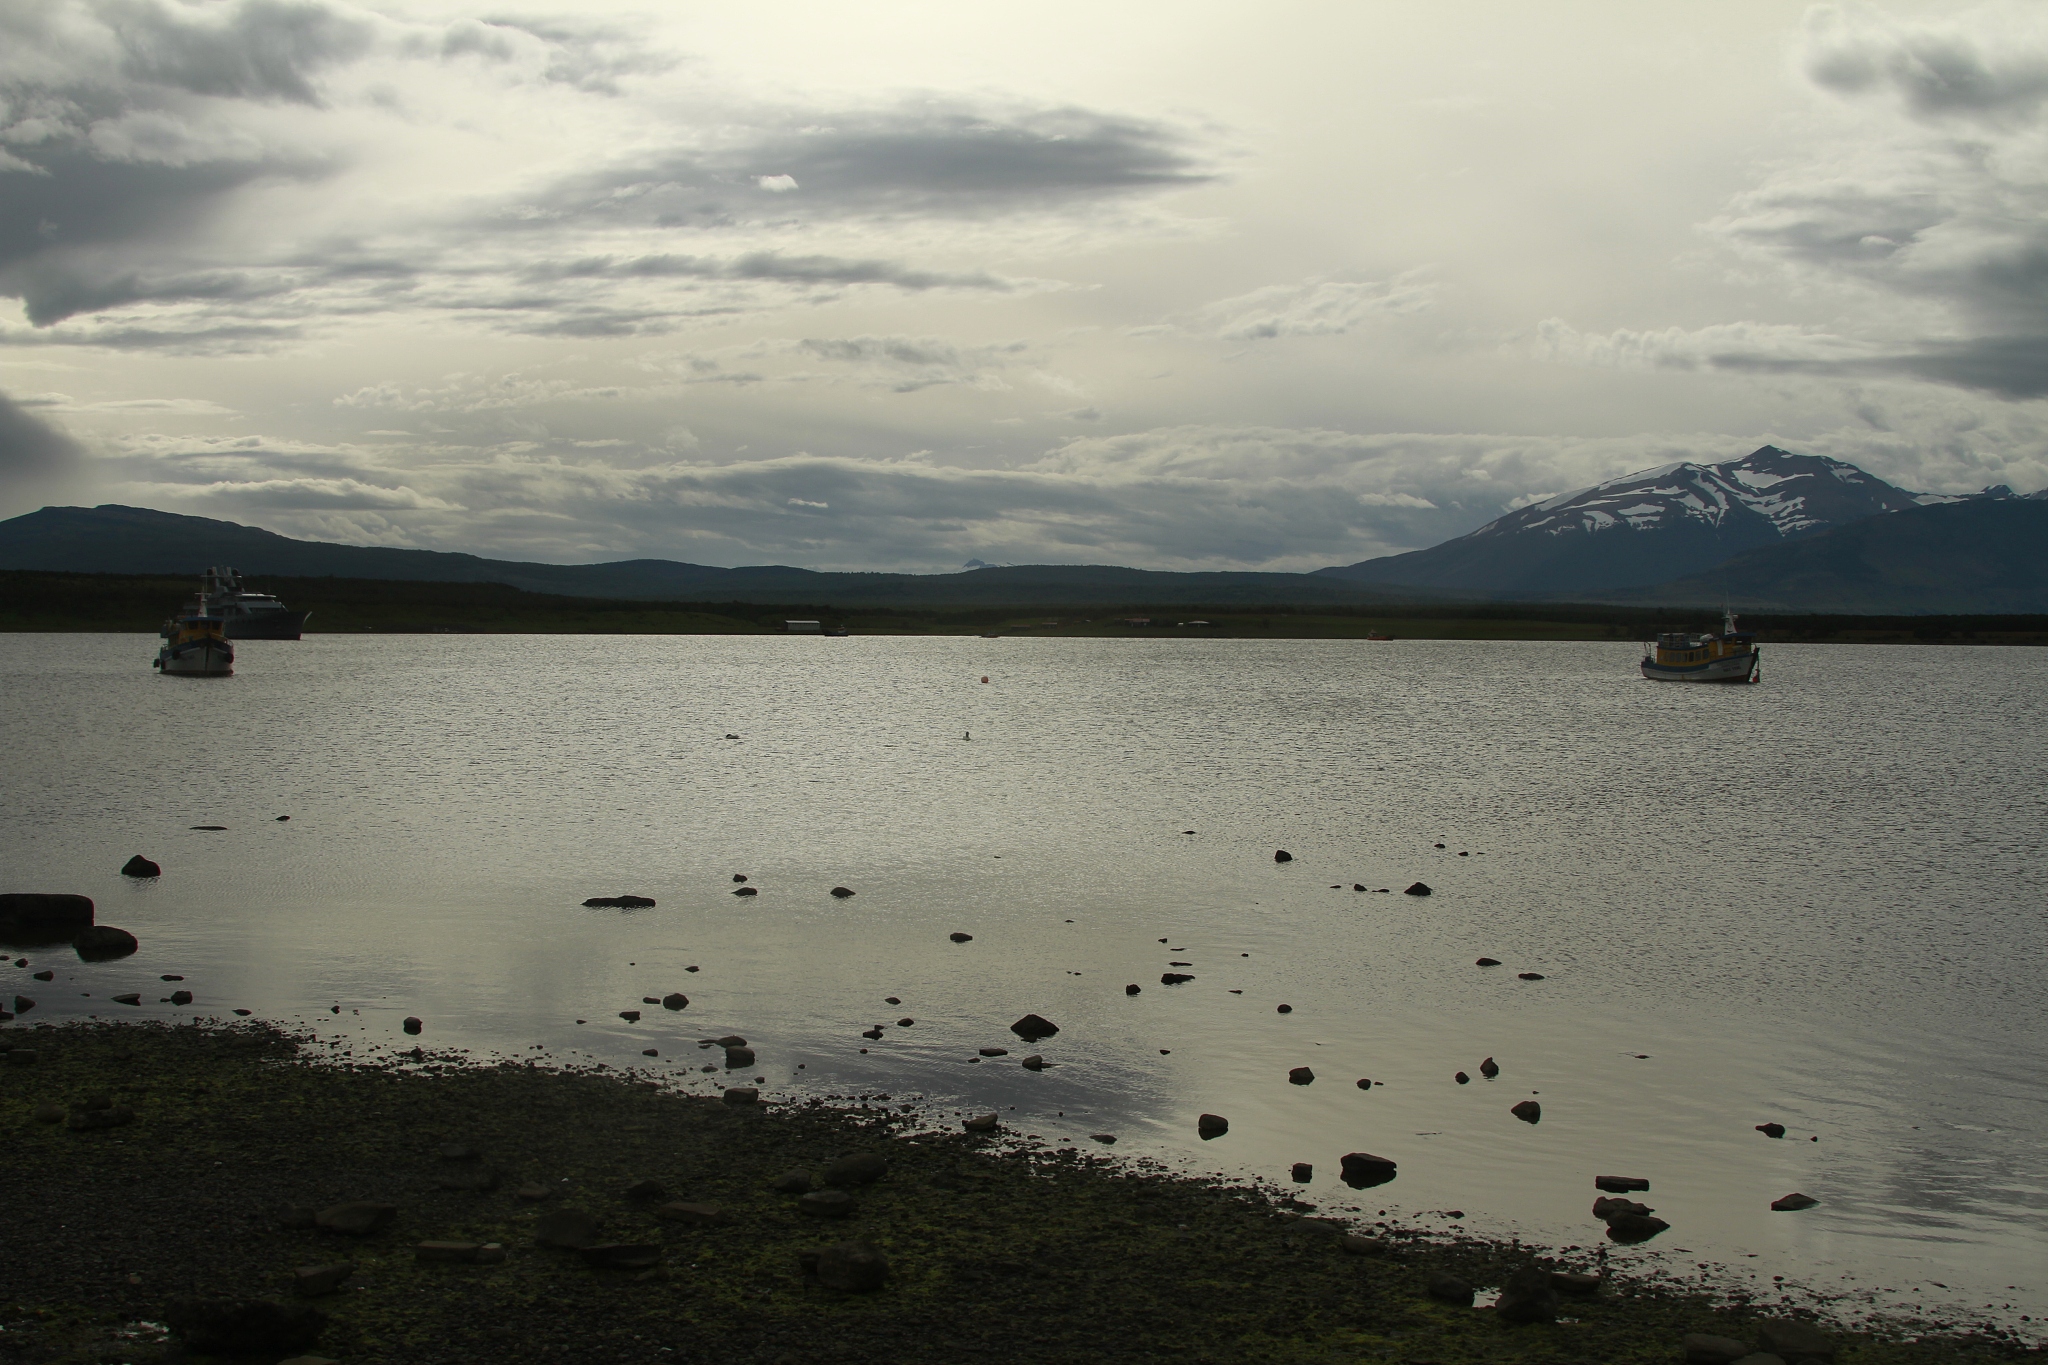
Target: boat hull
(1736, 668)
(267, 625)
(197, 659)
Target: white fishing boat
(196, 646)
(1680, 656)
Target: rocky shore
(201, 1192)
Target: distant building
(803, 627)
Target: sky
(904, 285)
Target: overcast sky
(1168, 283)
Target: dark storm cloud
(256, 50)
(771, 266)
(31, 449)
(1935, 73)
(2008, 367)
(915, 159)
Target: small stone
(1702, 1348)
(1211, 1126)
(1033, 1063)
(1527, 1296)
(1771, 1130)
(891, 1000)
(44, 975)
(1302, 1172)
(139, 866)
(791, 1182)
(181, 997)
(1792, 1203)
(695, 1215)
(745, 891)
(570, 1228)
(1131, 989)
(1283, 856)
(1174, 978)
(533, 1194)
(359, 1218)
(1032, 1027)
(1529, 976)
(905, 1023)
(1284, 1009)
(826, 1204)
(1103, 1137)
(1572, 1282)
(995, 1052)
(981, 1123)
(1450, 1289)
(961, 938)
(1795, 1340)
(451, 1253)
(852, 1267)
(131, 998)
(1489, 1068)
(1620, 1184)
(1364, 1083)
(1301, 1075)
(412, 1024)
(739, 876)
(1487, 962)
(861, 1168)
(1419, 889)
(842, 892)
(742, 1094)
(630, 1016)
(645, 1189)
(1462, 1079)
(22, 1004)
(738, 1058)
(1358, 886)
(313, 1281)
(1528, 1111)
(650, 1052)
(1604, 1207)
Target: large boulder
(139, 866)
(1363, 1170)
(1528, 1296)
(1032, 1027)
(43, 917)
(104, 943)
(244, 1326)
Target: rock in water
(1303, 1172)
(1132, 989)
(103, 943)
(1571, 1282)
(1173, 978)
(1462, 1079)
(181, 997)
(1792, 1203)
(1032, 1027)
(1211, 1126)
(244, 1326)
(675, 1000)
(1605, 1208)
(412, 1024)
(1528, 1111)
(1489, 1068)
(1363, 1170)
(738, 1058)
(853, 1267)
(1450, 1289)
(22, 1004)
(130, 998)
(1033, 1063)
(1419, 889)
(1771, 1130)
(139, 866)
(842, 892)
(1487, 962)
(1528, 1296)
(741, 1094)
(961, 938)
(745, 891)
(1528, 976)
(1620, 1184)
(1634, 1227)
(1283, 856)
(981, 1123)
(620, 902)
(1301, 1075)
(44, 916)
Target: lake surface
(1819, 901)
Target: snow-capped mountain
(1650, 527)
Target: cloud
(1313, 308)
(182, 407)
(1993, 71)
(32, 450)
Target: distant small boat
(196, 646)
(1730, 657)
(1377, 635)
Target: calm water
(1819, 901)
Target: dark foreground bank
(160, 1174)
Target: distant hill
(1646, 528)
(137, 540)
(1981, 555)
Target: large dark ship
(246, 615)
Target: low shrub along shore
(194, 1192)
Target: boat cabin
(1679, 648)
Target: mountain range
(1650, 528)
(1773, 530)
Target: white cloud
(1313, 307)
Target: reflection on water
(1816, 902)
